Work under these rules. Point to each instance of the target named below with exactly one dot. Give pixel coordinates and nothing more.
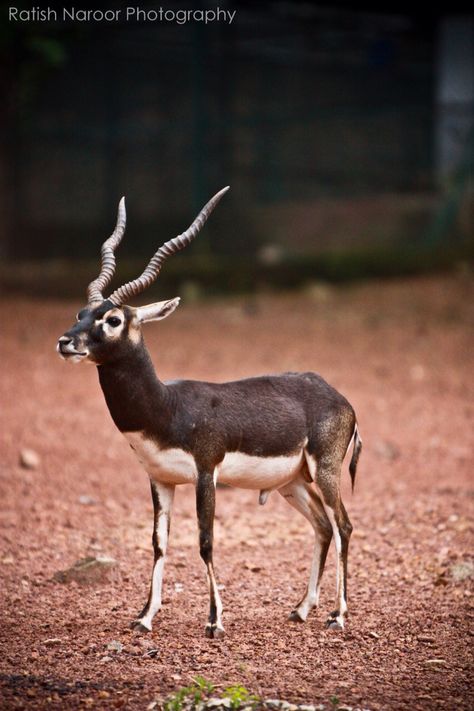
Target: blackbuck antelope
(288, 433)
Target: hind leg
(304, 499)
(327, 479)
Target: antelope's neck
(136, 398)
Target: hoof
(138, 626)
(335, 621)
(295, 616)
(214, 632)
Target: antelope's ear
(156, 312)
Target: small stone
(103, 694)
(215, 702)
(253, 568)
(304, 707)
(425, 638)
(52, 642)
(29, 459)
(273, 703)
(435, 662)
(152, 705)
(88, 571)
(105, 659)
(374, 635)
(115, 646)
(152, 653)
(86, 500)
(462, 571)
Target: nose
(64, 342)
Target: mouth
(71, 355)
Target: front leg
(205, 506)
(162, 495)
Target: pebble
(29, 459)
(462, 571)
(115, 646)
(86, 500)
(88, 571)
(152, 653)
(52, 642)
(215, 702)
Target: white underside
(174, 466)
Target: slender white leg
(304, 499)
(337, 621)
(162, 502)
(326, 478)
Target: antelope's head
(106, 328)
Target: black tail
(355, 455)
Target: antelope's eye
(114, 321)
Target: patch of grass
(240, 696)
(189, 695)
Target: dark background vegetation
(329, 121)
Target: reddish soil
(402, 354)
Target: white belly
(174, 466)
(247, 472)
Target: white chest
(174, 466)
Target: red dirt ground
(402, 354)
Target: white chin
(78, 358)
(73, 358)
